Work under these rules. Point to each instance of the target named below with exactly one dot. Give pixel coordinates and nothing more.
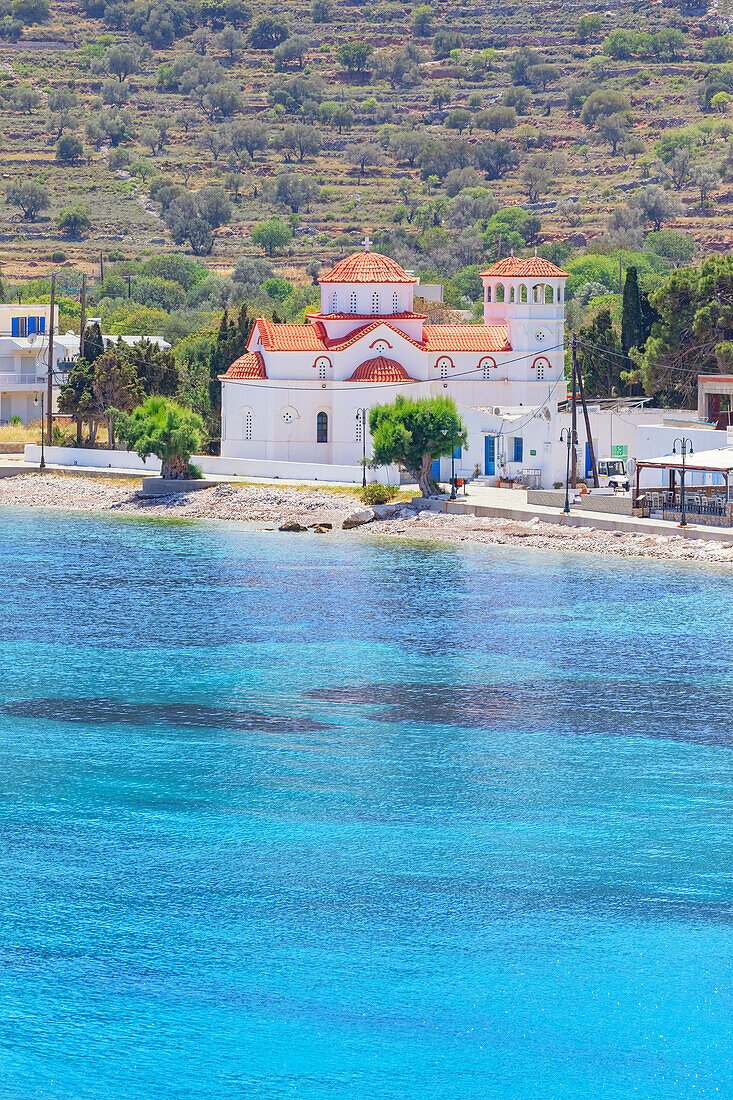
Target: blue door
(435, 470)
(489, 455)
(588, 463)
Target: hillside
(235, 132)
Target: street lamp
(452, 457)
(363, 448)
(42, 463)
(569, 436)
(685, 445)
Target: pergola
(719, 461)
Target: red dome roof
(535, 267)
(367, 267)
(380, 369)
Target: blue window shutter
(16, 326)
(31, 324)
(42, 324)
(518, 448)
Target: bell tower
(528, 296)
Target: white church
(293, 402)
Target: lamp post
(452, 456)
(685, 446)
(363, 448)
(42, 463)
(569, 436)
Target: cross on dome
(366, 242)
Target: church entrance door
(489, 455)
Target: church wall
(359, 298)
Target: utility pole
(620, 276)
(574, 421)
(586, 417)
(101, 267)
(129, 285)
(82, 329)
(49, 378)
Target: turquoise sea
(332, 817)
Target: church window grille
(487, 365)
(248, 424)
(321, 370)
(334, 302)
(352, 302)
(358, 426)
(375, 302)
(395, 303)
(322, 428)
(444, 365)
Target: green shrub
(58, 257)
(376, 493)
(195, 472)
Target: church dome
(380, 369)
(367, 267)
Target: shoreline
(309, 506)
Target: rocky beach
(310, 507)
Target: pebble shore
(274, 505)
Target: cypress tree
(93, 342)
(632, 319)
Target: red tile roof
(534, 267)
(367, 267)
(380, 369)
(251, 365)
(312, 338)
(466, 338)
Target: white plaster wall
(364, 291)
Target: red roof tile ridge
(367, 267)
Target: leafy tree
(706, 179)
(292, 49)
(30, 196)
(406, 146)
(603, 102)
(459, 119)
(354, 55)
(122, 61)
(231, 341)
(537, 176)
(522, 59)
(93, 343)
(543, 74)
(588, 27)
(517, 97)
(268, 32)
(115, 386)
(322, 11)
(495, 158)
(31, 11)
(293, 191)
(655, 204)
(496, 119)
(366, 155)
(156, 368)
(272, 236)
(716, 50)
(422, 18)
(602, 371)
(165, 429)
(444, 42)
(672, 245)
(76, 399)
(413, 432)
(440, 95)
(74, 220)
(301, 139)
(232, 41)
(249, 135)
(613, 129)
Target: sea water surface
(331, 817)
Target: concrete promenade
(485, 500)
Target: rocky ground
(308, 507)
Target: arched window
(322, 428)
(499, 293)
(352, 302)
(523, 293)
(487, 364)
(487, 293)
(322, 370)
(247, 423)
(358, 426)
(334, 302)
(395, 302)
(444, 364)
(375, 302)
(511, 294)
(322, 364)
(549, 296)
(541, 365)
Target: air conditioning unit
(497, 410)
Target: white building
(295, 396)
(24, 341)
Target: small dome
(380, 369)
(367, 267)
(533, 268)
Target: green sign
(533, 452)
(619, 452)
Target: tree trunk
(175, 468)
(78, 431)
(424, 478)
